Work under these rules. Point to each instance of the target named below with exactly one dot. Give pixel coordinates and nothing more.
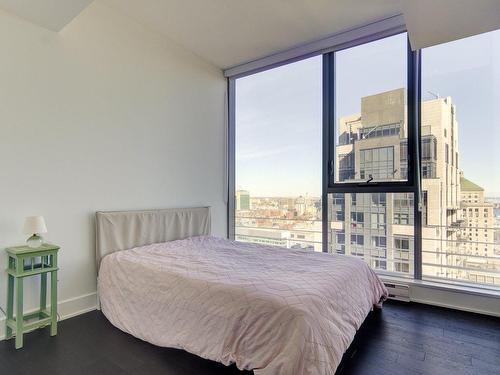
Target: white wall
(103, 115)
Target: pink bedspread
(272, 310)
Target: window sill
(445, 285)
(460, 297)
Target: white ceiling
(231, 32)
(431, 22)
(51, 14)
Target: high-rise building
(440, 190)
(378, 227)
(373, 145)
(242, 200)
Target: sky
(279, 111)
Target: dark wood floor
(401, 339)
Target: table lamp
(34, 225)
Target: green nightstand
(24, 261)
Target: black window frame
(330, 125)
(411, 185)
(413, 182)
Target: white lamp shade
(34, 224)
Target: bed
(276, 311)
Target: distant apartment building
(300, 206)
(478, 233)
(378, 227)
(478, 218)
(242, 200)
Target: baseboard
(77, 305)
(66, 309)
(481, 304)
(457, 307)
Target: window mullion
(414, 112)
(328, 117)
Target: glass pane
(379, 229)
(460, 160)
(370, 110)
(278, 156)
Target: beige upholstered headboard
(122, 230)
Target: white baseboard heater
(398, 292)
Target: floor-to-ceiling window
(369, 129)
(461, 165)
(278, 137)
(410, 173)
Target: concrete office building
(379, 227)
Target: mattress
(272, 310)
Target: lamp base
(35, 241)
